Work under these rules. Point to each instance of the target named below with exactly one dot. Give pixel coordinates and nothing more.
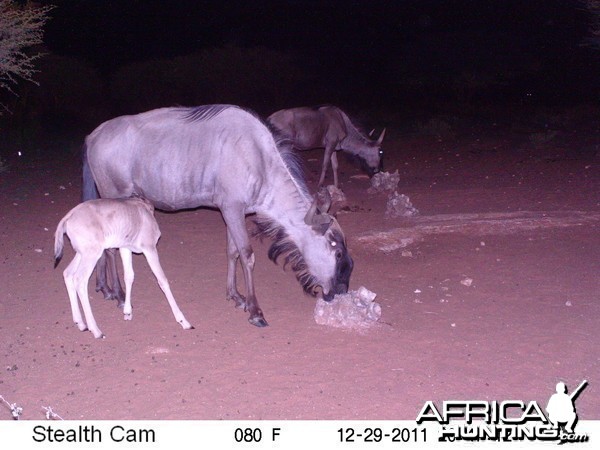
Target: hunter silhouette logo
(508, 420)
(561, 407)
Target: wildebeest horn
(371, 132)
(380, 139)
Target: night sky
(353, 43)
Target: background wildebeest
(330, 128)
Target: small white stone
(466, 281)
(365, 294)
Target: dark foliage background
(407, 58)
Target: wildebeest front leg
(107, 277)
(232, 258)
(236, 229)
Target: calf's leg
(128, 276)
(154, 263)
(81, 278)
(69, 276)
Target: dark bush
(256, 77)
(69, 94)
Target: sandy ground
(520, 220)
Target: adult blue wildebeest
(330, 128)
(224, 157)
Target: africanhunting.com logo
(510, 420)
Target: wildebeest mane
(283, 247)
(204, 112)
(293, 163)
(352, 128)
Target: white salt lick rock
(353, 310)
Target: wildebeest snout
(339, 289)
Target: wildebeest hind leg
(101, 282)
(329, 150)
(107, 278)
(334, 168)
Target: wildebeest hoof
(258, 322)
(109, 295)
(185, 324)
(240, 301)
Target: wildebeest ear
(323, 198)
(319, 221)
(324, 224)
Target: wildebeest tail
(89, 190)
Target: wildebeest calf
(93, 226)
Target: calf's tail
(59, 239)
